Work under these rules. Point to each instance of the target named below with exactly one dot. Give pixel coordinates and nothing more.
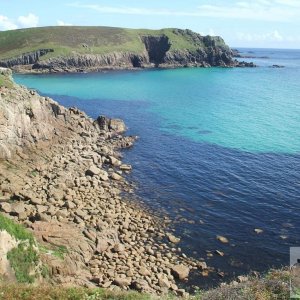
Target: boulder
(180, 271)
(222, 239)
(173, 239)
(93, 170)
(122, 282)
(116, 176)
(125, 167)
(6, 207)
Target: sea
(218, 152)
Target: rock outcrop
(29, 58)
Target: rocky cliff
(98, 48)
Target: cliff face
(25, 59)
(170, 48)
(27, 119)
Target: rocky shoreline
(63, 178)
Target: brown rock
(93, 170)
(119, 247)
(122, 282)
(173, 239)
(180, 271)
(222, 239)
(6, 207)
(116, 176)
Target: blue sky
(242, 23)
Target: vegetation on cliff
(73, 47)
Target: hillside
(73, 48)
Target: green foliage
(25, 292)
(5, 81)
(23, 259)
(57, 251)
(68, 40)
(15, 230)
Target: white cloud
(274, 36)
(292, 3)
(30, 20)
(7, 24)
(62, 23)
(263, 10)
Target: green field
(69, 40)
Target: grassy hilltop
(90, 40)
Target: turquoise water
(219, 151)
(254, 110)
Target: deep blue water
(219, 150)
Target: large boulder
(107, 124)
(180, 271)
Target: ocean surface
(219, 151)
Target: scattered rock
(6, 207)
(222, 239)
(173, 239)
(180, 271)
(93, 170)
(116, 176)
(219, 252)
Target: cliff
(78, 49)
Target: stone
(180, 271)
(144, 271)
(122, 282)
(222, 239)
(93, 170)
(116, 176)
(119, 247)
(18, 207)
(114, 161)
(36, 201)
(103, 175)
(202, 265)
(63, 213)
(6, 207)
(219, 252)
(125, 167)
(117, 125)
(173, 239)
(163, 282)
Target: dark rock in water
(244, 64)
(277, 66)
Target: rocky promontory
(85, 49)
(62, 177)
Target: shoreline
(24, 70)
(74, 184)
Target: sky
(242, 23)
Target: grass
(88, 40)
(57, 251)
(273, 286)
(24, 259)
(15, 230)
(23, 292)
(5, 81)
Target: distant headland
(86, 49)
